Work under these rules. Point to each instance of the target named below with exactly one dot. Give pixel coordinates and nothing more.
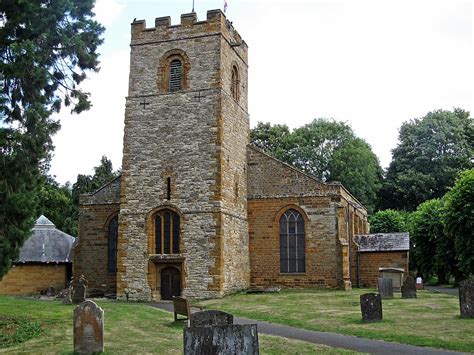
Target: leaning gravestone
(88, 328)
(466, 298)
(409, 287)
(371, 307)
(385, 288)
(203, 318)
(221, 339)
(79, 290)
(67, 292)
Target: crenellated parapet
(216, 23)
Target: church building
(197, 210)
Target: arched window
(167, 232)
(292, 257)
(234, 88)
(112, 248)
(176, 73)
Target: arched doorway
(170, 283)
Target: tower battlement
(216, 22)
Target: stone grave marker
(371, 307)
(79, 290)
(221, 339)
(385, 288)
(466, 298)
(409, 287)
(88, 328)
(211, 317)
(67, 292)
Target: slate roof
(46, 244)
(383, 242)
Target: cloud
(107, 11)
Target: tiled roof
(46, 244)
(383, 242)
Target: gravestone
(409, 287)
(79, 290)
(221, 339)
(466, 298)
(419, 283)
(88, 328)
(385, 288)
(203, 318)
(371, 307)
(67, 292)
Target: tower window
(168, 188)
(176, 72)
(167, 225)
(234, 89)
(112, 244)
(292, 250)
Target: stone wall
(371, 261)
(91, 248)
(29, 279)
(196, 137)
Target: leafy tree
(388, 221)
(45, 47)
(432, 249)
(328, 150)
(459, 220)
(431, 152)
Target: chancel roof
(383, 242)
(46, 244)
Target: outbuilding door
(170, 283)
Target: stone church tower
(183, 211)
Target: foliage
(459, 220)
(45, 47)
(431, 152)
(388, 221)
(432, 249)
(17, 330)
(328, 150)
(55, 202)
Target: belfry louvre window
(112, 247)
(176, 73)
(167, 232)
(292, 258)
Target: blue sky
(371, 63)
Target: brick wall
(26, 279)
(371, 261)
(91, 249)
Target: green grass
(130, 328)
(16, 330)
(430, 320)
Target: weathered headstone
(466, 298)
(221, 339)
(88, 328)
(79, 290)
(385, 288)
(371, 307)
(419, 283)
(67, 292)
(409, 287)
(203, 318)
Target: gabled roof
(46, 244)
(383, 242)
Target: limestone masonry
(197, 211)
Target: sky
(373, 64)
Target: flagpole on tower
(193, 7)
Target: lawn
(430, 320)
(129, 328)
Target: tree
(46, 48)
(388, 221)
(459, 219)
(431, 152)
(328, 150)
(432, 249)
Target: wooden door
(170, 283)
